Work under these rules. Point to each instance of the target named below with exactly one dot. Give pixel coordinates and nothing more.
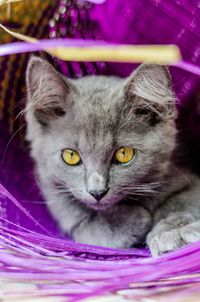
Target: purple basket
(33, 251)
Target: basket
(37, 261)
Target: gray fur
(95, 115)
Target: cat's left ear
(49, 93)
(149, 90)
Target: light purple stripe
(96, 1)
(23, 47)
(4, 192)
(188, 67)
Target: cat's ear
(48, 91)
(149, 90)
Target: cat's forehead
(98, 82)
(97, 111)
(92, 89)
(92, 121)
(95, 126)
(97, 100)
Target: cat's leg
(176, 222)
(121, 228)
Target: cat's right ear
(149, 93)
(48, 92)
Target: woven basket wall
(39, 263)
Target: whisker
(10, 140)
(34, 201)
(142, 190)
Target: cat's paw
(172, 233)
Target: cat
(105, 154)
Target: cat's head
(98, 140)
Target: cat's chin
(99, 206)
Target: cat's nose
(99, 194)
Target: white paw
(167, 237)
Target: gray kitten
(104, 149)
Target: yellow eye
(124, 155)
(70, 157)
